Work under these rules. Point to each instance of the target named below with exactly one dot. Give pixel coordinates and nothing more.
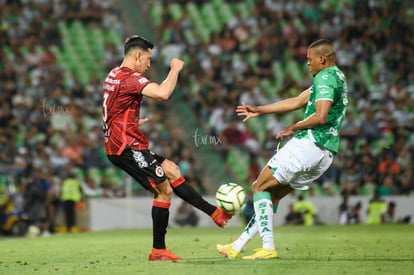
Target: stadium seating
(82, 52)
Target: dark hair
(320, 42)
(136, 42)
(324, 47)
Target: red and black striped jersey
(121, 101)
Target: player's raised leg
(185, 191)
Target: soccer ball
(32, 231)
(231, 197)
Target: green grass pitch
(363, 249)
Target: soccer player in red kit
(127, 147)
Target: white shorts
(299, 163)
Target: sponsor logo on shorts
(140, 159)
(159, 171)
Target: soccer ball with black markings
(231, 197)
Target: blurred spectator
(351, 177)
(388, 186)
(186, 215)
(91, 154)
(173, 49)
(406, 183)
(276, 124)
(369, 166)
(90, 188)
(293, 217)
(264, 66)
(391, 217)
(227, 41)
(253, 170)
(349, 214)
(344, 209)
(185, 162)
(38, 202)
(388, 166)
(351, 128)
(376, 209)
(74, 150)
(219, 118)
(402, 115)
(233, 134)
(354, 216)
(70, 196)
(370, 130)
(307, 209)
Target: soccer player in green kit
(308, 153)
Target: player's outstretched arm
(164, 90)
(248, 111)
(283, 106)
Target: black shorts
(143, 165)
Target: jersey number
(105, 117)
(105, 109)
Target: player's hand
(176, 64)
(142, 121)
(286, 133)
(248, 111)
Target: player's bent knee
(266, 185)
(171, 170)
(258, 188)
(280, 191)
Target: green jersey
(329, 84)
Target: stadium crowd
(231, 66)
(50, 124)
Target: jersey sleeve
(135, 84)
(143, 81)
(324, 86)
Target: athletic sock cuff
(161, 204)
(275, 208)
(178, 182)
(262, 195)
